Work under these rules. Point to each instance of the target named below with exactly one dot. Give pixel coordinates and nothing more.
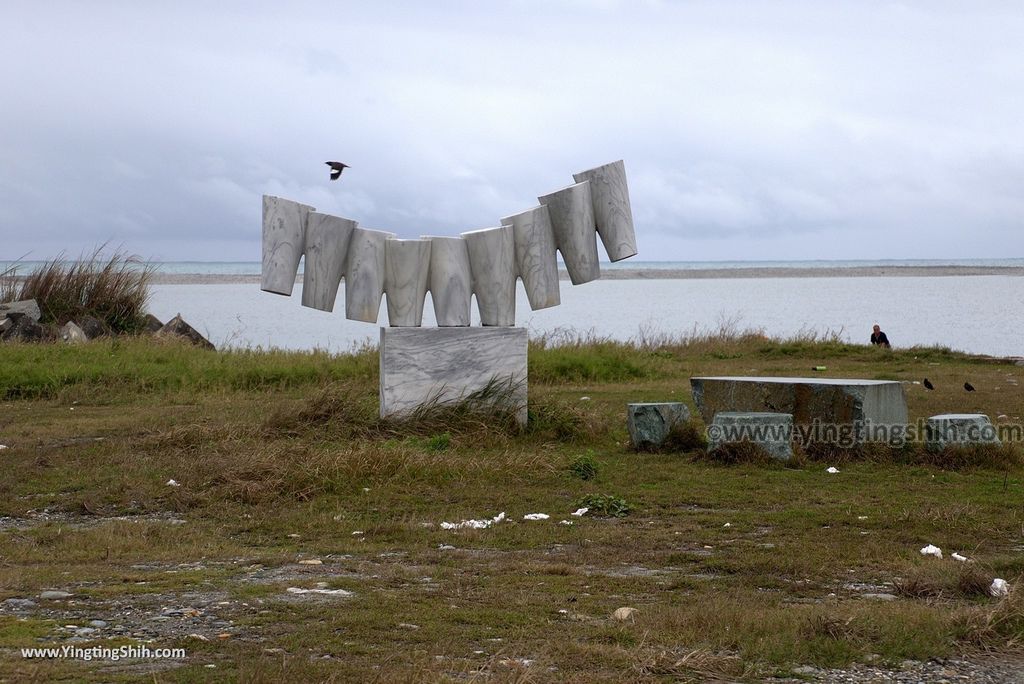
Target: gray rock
(22, 329)
(152, 324)
(71, 333)
(771, 431)
(650, 423)
(84, 631)
(54, 594)
(99, 624)
(880, 596)
(179, 328)
(27, 307)
(19, 603)
(93, 327)
(959, 429)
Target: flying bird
(336, 169)
(928, 385)
(969, 387)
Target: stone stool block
(650, 423)
(959, 429)
(771, 431)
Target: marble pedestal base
(418, 365)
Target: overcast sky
(750, 130)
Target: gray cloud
(750, 130)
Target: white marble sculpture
(535, 255)
(406, 269)
(492, 262)
(612, 212)
(451, 285)
(284, 241)
(485, 263)
(572, 218)
(327, 239)
(364, 274)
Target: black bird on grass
(336, 169)
(928, 385)
(969, 387)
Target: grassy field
(287, 481)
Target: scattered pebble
(173, 483)
(832, 470)
(311, 561)
(198, 637)
(55, 595)
(536, 516)
(293, 536)
(98, 624)
(999, 587)
(579, 512)
(446, 547)
(408, 625)
(19, 603)
(931, 550)
(624, 613)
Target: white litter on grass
(584, 398)
(956, 556)
(931, 550)
(329, 592)
(357, 533)
(536, 516)
(999, 587)
(579, 512)
(727, 525)
(2, 447)
(474, 524)
(832, 470)
(173, 483)
(565, 522)
(862, 517)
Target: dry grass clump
(112, 289)
(945, 581)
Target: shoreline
(680, 273)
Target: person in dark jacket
(878, 337)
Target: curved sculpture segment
(450, 281)
(535, 255)
(492, 263)
(612, 212)
(364, 274)
(406, 268)
(327, 239)
(485, 263)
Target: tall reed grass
(113, 289)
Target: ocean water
(979, 314)
(253, 267)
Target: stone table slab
(844, 403)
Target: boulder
(92, 327)
(179, 328)
(22, 329)
(650, 423)
(28, 307)
(773, 432)
(152, 324)
(71, 333)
